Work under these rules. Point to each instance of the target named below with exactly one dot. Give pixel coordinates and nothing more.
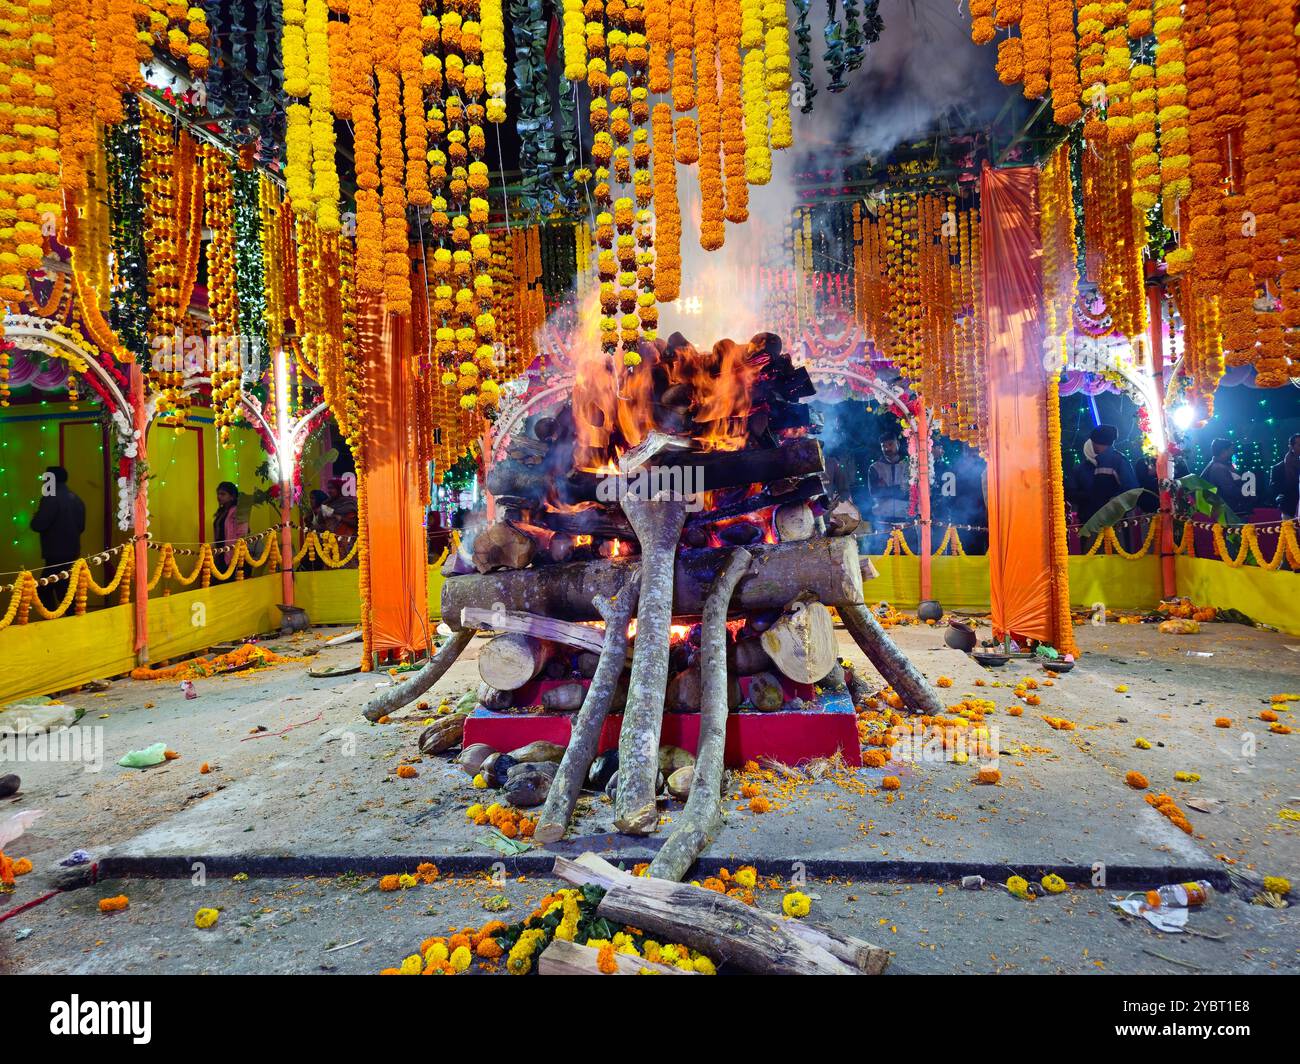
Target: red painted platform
(787, 736)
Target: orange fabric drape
(395, 541)
(1022, 504)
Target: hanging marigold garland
(224, 340)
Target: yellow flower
(460, 958)
(413, 965)
(704, 966)
(796, 904)
(747, 877)
(1277, 884)
(1053, 884)
(480, 782)
(205, 918)
(1142, 744)
(1019, 886)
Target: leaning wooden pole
(394, 698)
(585, 733)
(890, 662)
(702, 817)
(657, 522)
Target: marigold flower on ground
(988, 775)
(944, 681)
(387, 883)
(205, 918)
(1136, 780)
(22, 866)
(1019, 886)
(747, 877)
(759, 804)
(796, 904)
(874, 759)
(1277, 884)
(1267, 715)
(1223, 722)
(891, 783)
(1279, 729)
(406, 772)
(113, 905)
(1142, 744)
(1053, 884)
(605, 959)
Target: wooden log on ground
(585, 730)
(578, 636)
(658, 524)
(727, 930)
(904, 677)
(569, 958)
(389, 701)
(826, 568)
(511, 660)
(802, 642)
(793, 521)
(702, 817)
(502, 546)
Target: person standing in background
(60, 519)
(228, 525)
(887, 479)
(1284, 479)
(1222, 473)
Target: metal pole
(140, 517)
(1168, 570)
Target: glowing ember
(676, 632)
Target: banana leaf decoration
(834, 57)
(803, 35)
(854, 51)
(568, 190)
(535, 126)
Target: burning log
(802, 642)
(585, 731)
(696, 470)
(702, 817)
(502, 546)
(658, 524)
(793, 522)
(827, 569)
(509, 661)
(890, 662)
(394, 698)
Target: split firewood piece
(702, 817)
(655, 442)
(725, 929)
(579, 636)
(509, 661)
(843, 520)
(802, 642)
(793, 521)
(568, 958)
(564, 698)
(389, 701)
(904, 677)
(502, 546)
(657, 521)
(585, 731)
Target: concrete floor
(294, 810)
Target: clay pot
(960, 635)
(929, 610)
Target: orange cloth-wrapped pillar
(395, 613)
(1029, 583)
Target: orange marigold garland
(712, 205)
(736, 208)
(1064, 73)
(668, 218)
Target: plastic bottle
(1181, 895)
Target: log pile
(695, 506)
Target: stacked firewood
(708, 523)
